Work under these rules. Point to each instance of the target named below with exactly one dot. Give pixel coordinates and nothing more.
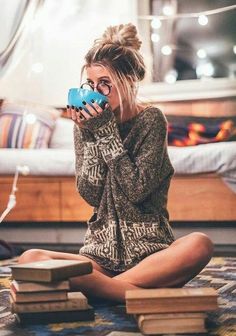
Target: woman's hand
(80, 115)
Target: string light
(155, 37)
(188, 15)
(171, 76)
(234, 49)
(156, 23)
(166, 50)
(30, 118)
(168, 10)
(201, 53)
(203, 20)
(205, 70)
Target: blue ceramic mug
(76, 96)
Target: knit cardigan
(124, 171)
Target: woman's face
(99, 75)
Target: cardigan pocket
(141, 232)
(100, 233)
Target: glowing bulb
(168, 10)
(156, 23)
(201, 53)
(234, 49)
(205, 70)
(166, 50)
(171, 76)
(37, 67)
(203, 20)
(155, 37)
(30, 118)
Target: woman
(123, 171)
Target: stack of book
(40, 292)
(171, 310)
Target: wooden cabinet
(44, 199)
(73, 206)
(200, 197)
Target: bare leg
(98, 284)
(174, 266)
(171, 267)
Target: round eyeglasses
(101, 87)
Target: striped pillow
(26, 125)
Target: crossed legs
(171, 267)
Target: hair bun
(124, 35)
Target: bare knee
(33, 255)
(202, 248)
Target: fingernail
(67, 106)
(80, 108)
(72, 106)
(77, 109)
(84, 102)
(92, 100)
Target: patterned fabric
(198, 133)
(130, 220)
(112, 320)
(109, 140)
(93, 168)
(26, 125)
(137, 241)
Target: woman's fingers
(89, 111)
(73, 113)
(96, 107)
(81, 112)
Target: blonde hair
(118, 51)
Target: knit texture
(126, 177)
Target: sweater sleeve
(137, 177)
(90, 167)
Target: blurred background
(43, 42)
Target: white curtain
(16, 15)
(47, 60)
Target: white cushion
(41, 162)
(62, 136)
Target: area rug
(112, 320)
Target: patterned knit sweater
(124, 171)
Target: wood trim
(204, 108)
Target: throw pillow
(191, 130)
(26, 125)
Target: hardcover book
(50, 270)
(153, 324)
(27, 286)
(75, 301)
(38, 296)
(169, 300)
(56, 317)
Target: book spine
(29, 287)
(147, 307)
(39, 296)
(42, 275)
(49, 306)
